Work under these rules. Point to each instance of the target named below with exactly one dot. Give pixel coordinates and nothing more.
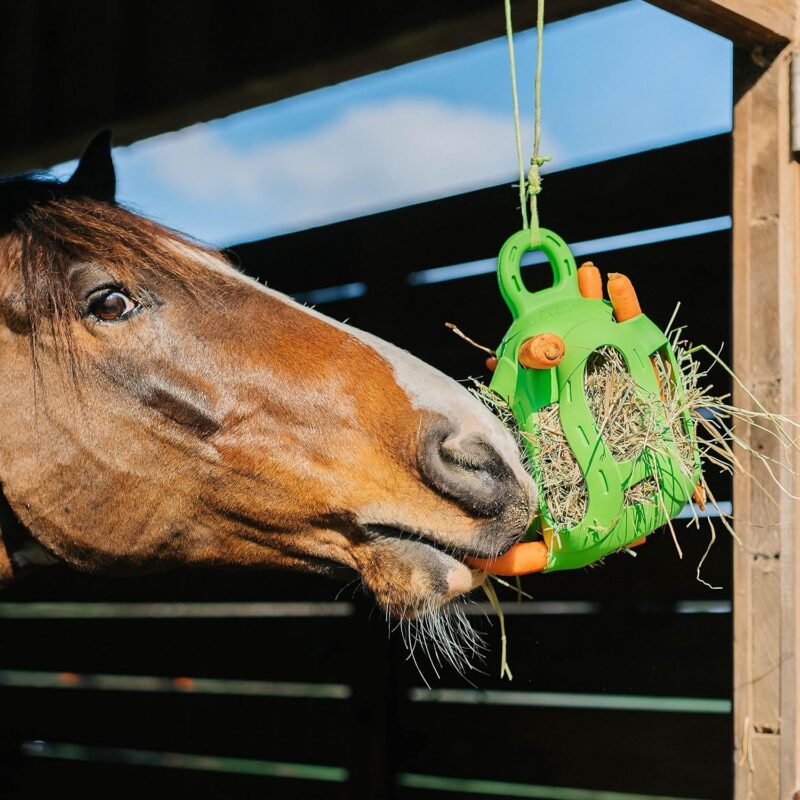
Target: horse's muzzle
(469, 470)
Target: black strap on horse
(24, 552)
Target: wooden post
(766, 283)
(746, 22)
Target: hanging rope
(534, 181)
(530, 186)
(513, 65)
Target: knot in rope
(534, 179)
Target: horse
(159, 408)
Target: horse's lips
(388, 532)
(459, 577)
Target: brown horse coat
(159, 408)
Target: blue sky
(615, 81)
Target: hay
(629, 422)
(633, 423)
(641, 492)
(491, 594)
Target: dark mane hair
(44, 228)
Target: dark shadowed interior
(222, 684)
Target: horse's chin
(418, 585)
(412, 577)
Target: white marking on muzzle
(425, 386)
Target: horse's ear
(94, 176)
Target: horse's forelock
(50, 233)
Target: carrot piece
(491, 363)
(521, 559)
(623, 297)
(637, 542)
(542, 351)
(658, 379)
(699, 496)
(589, 281)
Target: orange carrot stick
(658, 379)
(521, 559)
(589, 281)
(623, 297)
(700, 496)
(542, 351)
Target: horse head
(159, 408)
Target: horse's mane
(44, 229)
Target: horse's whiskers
(444, 633)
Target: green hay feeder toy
(543, 360)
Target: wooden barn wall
(208, 685)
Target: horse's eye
(111, 305)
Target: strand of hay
(491, 594)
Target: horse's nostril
(475, 455)
(467, 469)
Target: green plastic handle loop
(562, 262)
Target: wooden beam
(745, 22)
(766, 284)
(385, 47)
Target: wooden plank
(500, 792)
(649, 753)
(553, 647)
(745, 22)
(59, 583)
(657, 654)
(765, 292)
(287, 649)
(43, 779)
(264, 728)
(766, 760)
(766, 634)
(597, 200)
